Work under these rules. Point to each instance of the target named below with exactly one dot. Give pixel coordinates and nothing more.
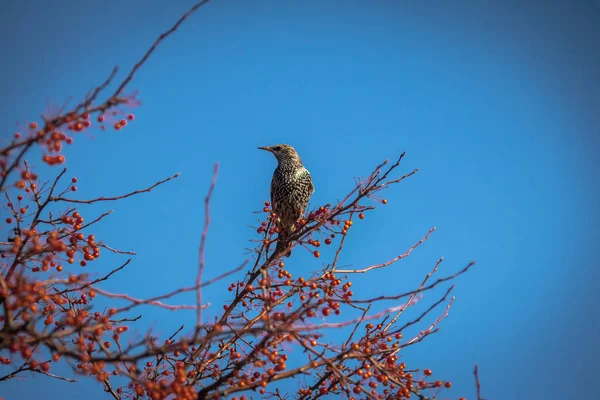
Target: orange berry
(427, 372)
(317, 254)
(361, 216)
(384, 201)
(33, 125)
(448, 385)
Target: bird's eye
(277, 148)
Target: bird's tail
(283, 244)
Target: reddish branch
(148, 189)
(389, 262)
(47, 306)
(203, 244)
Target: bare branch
(116, 197)
(385, 264)
(477, 384)
(203, 244)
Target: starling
(291, 188)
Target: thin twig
(116, 197)
(477, 384)
(201, 263)
(385, 264)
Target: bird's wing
(304, 176)
(273, 193)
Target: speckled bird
(291, 188)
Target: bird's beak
(266, 148)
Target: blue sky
(496, 103)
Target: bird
(291, 188)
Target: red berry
(131, 117)
(317, 254)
